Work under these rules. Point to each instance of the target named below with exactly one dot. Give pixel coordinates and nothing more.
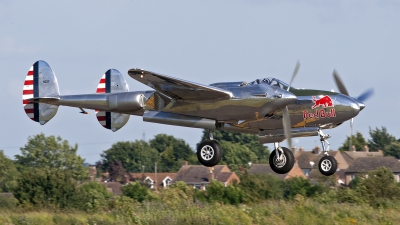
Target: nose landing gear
(327, 165)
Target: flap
(178, 88)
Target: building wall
(342, 164)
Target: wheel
(209, 153)
(283, 165)
(327, 165)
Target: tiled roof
(357, 154)
(200, 174)
(264, 169)
(371, 163)
(305, 157)
(160, 176)
(113, 187)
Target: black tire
(209, 153)
(327, 165)
(283, 166)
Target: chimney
(366, 149)
(211, 174)
(294, 150)
(126, 179)
(353, 148)
(316, 150)
(184, 163)
(301, 149)
(242, 169)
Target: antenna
(144, 136)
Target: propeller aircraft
(266, 107)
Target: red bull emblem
(324, 102)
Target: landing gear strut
(281, 160)
(327, 165)
(209, 152)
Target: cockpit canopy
(271, 81)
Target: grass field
(300, 211)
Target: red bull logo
(325, 101)
(319, 113)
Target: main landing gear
(327, 164)
(209, 152)
(281, 160)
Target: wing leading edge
(178, 88)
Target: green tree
(298, 186)
(135, 191)
(248, 140)
(172, 152)
(52, 153)
(217, 192)
(258, 187)
(91, 197)
(116, 171)
(132, 155)
(44, 187)
(8, 173)
(380, 138)
(393, 149)
(357, 140)
(378, 187)
(236, 155)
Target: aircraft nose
(285, 98)
(361, 105)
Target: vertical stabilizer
(40, 82)
(112, 82)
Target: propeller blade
(351, 135)
(296, 69)
(287, 126)
(339, 83)
(365, 95)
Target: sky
(201, 41)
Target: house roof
(266, 169)
(113, 187)
(201, 174)
(160, 176)
(358, 154)
(371, 163)
(305, 157)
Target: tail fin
(112, 82)
(40, 82)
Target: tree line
(48, 172)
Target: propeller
(351, 135)
(296, 69)
(363, 97)
(339, 83)
(287, 125)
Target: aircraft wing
(178, 88)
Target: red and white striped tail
(40, 82)
(27, 93)
(112, 82)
